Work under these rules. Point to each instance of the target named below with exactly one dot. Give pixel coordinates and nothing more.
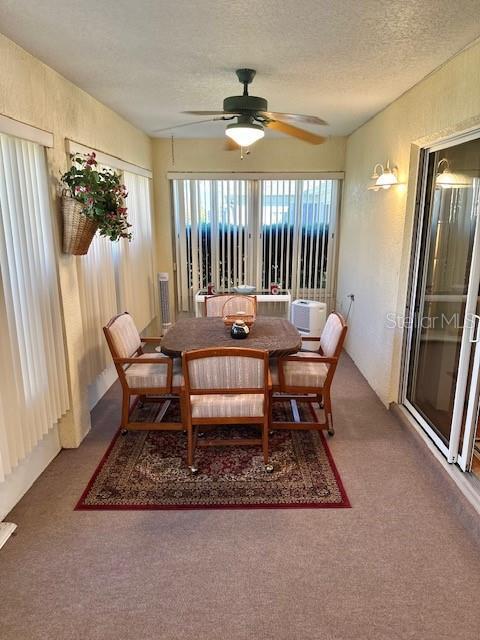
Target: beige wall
(209, 155)
(33, 93)
(376, 227)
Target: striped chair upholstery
(226, 304)
(231, 406)
(214, 305)
(331, 335)
(301, 374)
(226, 386)
(226, 372)
(221, 372)
(124, 335)
(153, 375)
(240, 304)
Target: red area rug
(147, 470)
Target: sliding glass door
(442, 359)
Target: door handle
(474, 332)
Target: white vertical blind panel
(98, 298)
(33, 380)
(136, 273)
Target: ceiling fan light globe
(245, 134)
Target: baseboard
(461, 489)
(17, 483)
(101, 385)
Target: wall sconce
(445, 179)
(384, 177)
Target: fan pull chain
(173, 152)
(242, 154)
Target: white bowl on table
(244, 289)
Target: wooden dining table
(276, 335)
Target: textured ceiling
(149, 60)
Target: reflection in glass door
(441, 367)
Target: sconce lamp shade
(446, 179)
(384, 177)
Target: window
(33, 380)
(260, 232)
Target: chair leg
(320, 400)
(183, 410)
(265, 434)
(125, 412)
(190, 447)
(270, 413)
(327, 403)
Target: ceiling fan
(252, 115)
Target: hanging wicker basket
(78, 230)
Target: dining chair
(146, 376)
(226, 386)
(222, 304)
(310, 373)
(214, 305)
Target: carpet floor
(147, 469)
(399, 564)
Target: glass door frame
(469, 398)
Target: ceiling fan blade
(290, 130)
(186, 124)
(296, 117)
(209, 113)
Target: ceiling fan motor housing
(244, 104)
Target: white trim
(104, 158)
(255, 175)
(453, 140)
(466, 483)
(17, 483)
(6, 530)
(101, 385)
(431, 433)
(465, 349)
(12, 127)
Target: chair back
(226, 370)
(214, 305)
(333, 336)
(240, 304)
(122, 336)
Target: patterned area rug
(147, 470)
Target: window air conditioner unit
(309, 318)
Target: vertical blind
(116, 277)
(259, 232)
(33, 380)
(98, 300)
(135, 264)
